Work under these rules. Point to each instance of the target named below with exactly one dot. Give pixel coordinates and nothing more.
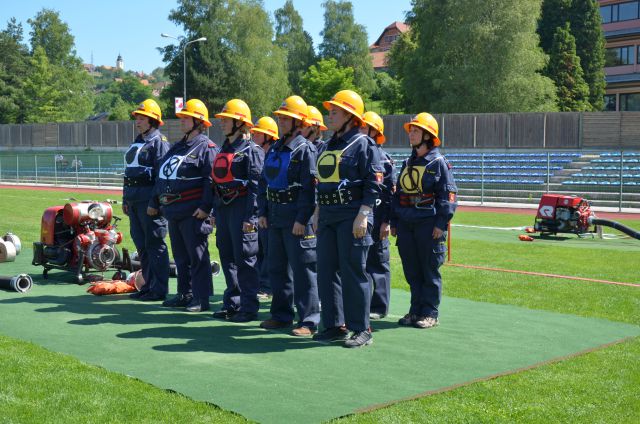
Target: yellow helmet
(314, 118)
(427, 122)
(266, 125)
(375, 121)
(195, 109)
(236, 109)
(151, 109)
(294, 107)
(348, 100)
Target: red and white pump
(559, 213)
(79, 237)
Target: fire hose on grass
(21, 283)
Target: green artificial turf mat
(273, 377)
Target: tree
(564, 66)
(13, 67)
(389, 92)
(476, 57)
(40, 89)
(586, 27)
(297, 42)
(399, 62)
(53, 35)
(346, 41)
(323, 80)
(121, 97)
(238, 60)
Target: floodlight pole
(184, 60)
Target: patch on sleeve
(164, 138)
(451, 187)
(212, 145)
(379, 177)
(452, 197)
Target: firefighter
(264, 134)
(349, 178)
(286, 204)
(378, 266)
(422, 206)
(183, 195)
(236, 171)
(143, 159)
(314, 128)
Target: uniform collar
(140, 138)
(297, 141)
(433, 153)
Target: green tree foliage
(389, 92)
(586, 27)
(13, 67)
(238, 60)
(346, 41)
(564, 66)
(68, 86)
(475, 56)
(323, 80)
(121, 97)
(291, 36)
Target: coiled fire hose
(613, 224)
(21, 283)
(10, 247)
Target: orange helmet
(266, 125)
(195, 109)
(151, 109)
(236, 109)
(375, 121)
(428, 123)
(347, 100)
(314, 118)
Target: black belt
(421, 200)
(342, 196)
(169, 198)
(138, 181)
(282, 196)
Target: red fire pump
(79, 237)
(559, 213)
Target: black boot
(178, 301)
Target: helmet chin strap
(193, 128)
(342, 128)
(234, 129)
(292, 130)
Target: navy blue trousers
(261, 260)
(422, 257)
(292, 273)
(148, 233)
(191, 255)
(238, 252)
(379, 273)
(343, 286)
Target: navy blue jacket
(142, 161)
(190, 174)
(437, 179)
(382, 211)
(359, 168)
(246, 168)
(298, 174)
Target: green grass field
(601, 386)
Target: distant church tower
(120, 62)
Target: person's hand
(248, 227)
(359, 228)
(393, 231)
(152, 211)
(263, 222)
(437, 233)
(125, 209)
(384, 230)
(200, 214)
(298, 229)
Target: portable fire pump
(571, 214)
(79, 237)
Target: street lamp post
(184, 60)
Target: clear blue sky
(132, 28)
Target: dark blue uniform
(184, 185)
(425, 197)
(287, 195)
(236, 171)
(349, 175)
(261, 262)
(378, 266)
(142, 163)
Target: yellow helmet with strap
(375, 121)
(294, 107)
(195, 109)
(236, 109)
(428, 123)
(347, 100)
(151, 109)
(266, 125)
(314, 118)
